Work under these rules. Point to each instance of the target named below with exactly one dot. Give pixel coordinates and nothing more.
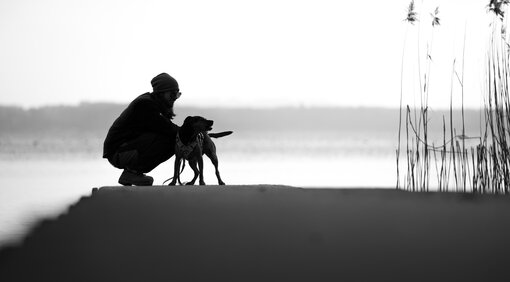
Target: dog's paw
(171, 184)
(202, 183)
(190, 183)
(221, 183)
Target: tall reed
(411, 17)
(417, 152)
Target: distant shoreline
(97, 117)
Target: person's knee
(124, 159)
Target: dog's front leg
(177, 164)
(201, 170)
(193, 165)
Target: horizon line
(280, 106)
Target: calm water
(41, 178)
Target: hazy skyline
(236, 53)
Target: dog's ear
(188, 119)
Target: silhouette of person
(143, 136)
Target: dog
(192, 142)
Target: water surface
(41, 177)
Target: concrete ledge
(267, 233)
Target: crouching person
(143, 136)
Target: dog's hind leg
(214, 160)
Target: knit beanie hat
(163, 82)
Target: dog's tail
(220, 134)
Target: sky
(228, 53)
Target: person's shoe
(128, 178)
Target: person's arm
(151, 119)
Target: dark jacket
(145, 114)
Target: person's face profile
(172, 95)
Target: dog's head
(198, 123)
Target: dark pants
(144, 153)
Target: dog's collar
(185, 150)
